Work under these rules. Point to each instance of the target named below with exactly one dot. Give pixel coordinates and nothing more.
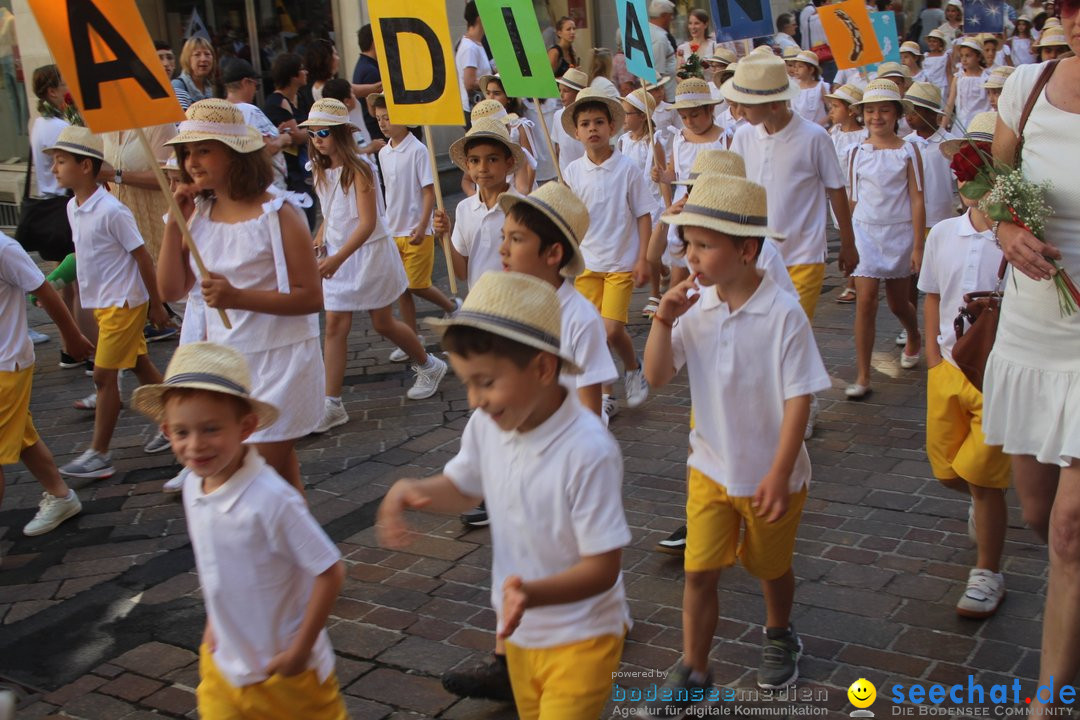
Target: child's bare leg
(407, 309)
(146, 371)
(991, 520)
(620, 342)
(700, 610)
(397, 332)
(435, 296)
(866, 305)
(338, 325)
(281, 456)
(779, 597)
(39, 461)
(897, 293)
(108, 408)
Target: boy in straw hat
(620, 221)
(269, 574)
(567, 147)
(994, 83)
(19, 440)
(116, 281)
(1052, 44)
(923, 112)
(962, 256)
(745, 343)
(557, 589)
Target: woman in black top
(561, 54)
(284, 108)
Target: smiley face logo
(862, 693)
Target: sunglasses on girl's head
(324, 133)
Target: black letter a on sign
(84, 16)
(391, 28)
(635, 36)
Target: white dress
(1021, 51)
(844, 141)
(1032, 381)
(683, 154)
(638, 152)
(282, 351)
(882, 219)
(936, 70)
(373, 276)
(810, 103)
(971, 98)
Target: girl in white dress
(889, 220)
(846, 132)
(359, 262)
(263, 273)
(967, 97)
(810, 102)
(936, 61)
(1021, 42)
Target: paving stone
(154, 659)
(411, 692)
(93, 706)
(83, 686)
(425, 656)
(172, 700)
(130, 687)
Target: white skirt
(1031, 389)
(372, 278)
(884, 250)
(292, 379)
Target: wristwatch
(119, 177)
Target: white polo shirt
(406, 171)
(18, 276)
(44, 133)
(470, 54)
(939, 185)
(105, 235)
(584, 338)
(554, 496)
(796, 165)
(616, 194)
(257, 550)
(756, 357)
(478, 234)
(570, 148)
(958, 259)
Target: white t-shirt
(18, 276)
(43, 134)
(406, 171)
(756, 357)
(554, 496)
(258, 551)
(478, 234)
(796, 165)
(570, 148)
(958, 259)
(105, 235)
(470, 54)
(939, 185)
(584, 338)
(257, 119)
(616, 194)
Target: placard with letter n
(416, 54)
(742, 19)
(108, 60)
(513, 33)
(637, 43)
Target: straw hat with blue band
(560, 205)
(79, 141)
(728, 204)
(760, 79)
(491, 129)
(714, 162)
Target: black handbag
(43, 223)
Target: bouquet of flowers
(1004, 194)
(693, 66)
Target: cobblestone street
(101, 619)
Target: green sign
(514, 36)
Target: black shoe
(673, 544)
(684, 692)
(489, 680)
(89, 372)
(477, 517)
(67, 362)
(154, 334)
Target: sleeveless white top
(971, 98)
(810, 103)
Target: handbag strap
(29, 170)
(1044, 78)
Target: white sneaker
(812, 419)
(400, 355)
(37, 337)
(51, 512)
(157, 443)
(427, 379)
(88, 403)
(985, 591)
(909, 361)
(901, 338)
(176, 484)
(333, 415)
(91, 464)
(457, 306)
(637, 389)
(610, 406)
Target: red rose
(968, 162)
(694, 47)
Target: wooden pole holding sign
(547, 136)
(444, 241)
(665, 189)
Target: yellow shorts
(120, 336)
(808, 280)
(419, 261)
(713, 521)
(608, 292)
(954, 438)
(276, 698)
(17, 430)
(567, 682)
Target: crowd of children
(727, 192)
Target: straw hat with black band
(727, 204)
(848, 93)
(566, 210)
(80, 141)
(760, 79)
(980, 129)
(489, 129)
(714, 162)
(925, 95)
(574, 79)
(592, 95)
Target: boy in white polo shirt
(269, 574)
(552, 477)
(410, 200)
(19, 439)
(615, 249)
(116, 281)
(567, 146)
(746, 344)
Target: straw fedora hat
(972, 44)
(722, 56)
(726, 203)
(641, 101)
(327, 113)
(515, 306)
(1051, 22)
(1051, 37)
(715, 162)
(759, 79)
(216, 119)
(980, 129)
(997, 77)
(925, 95)
(491, 129)
(848, 93)
(566, 210)
(693, 92)
(882, 91)
(574, 79)
(204, 366)
(592, 95)
(911, 47)
(937, 35)
(79, 141)
(492, 110)
(805, 56)
(767, 50)
(893, 69)
(661, 81)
